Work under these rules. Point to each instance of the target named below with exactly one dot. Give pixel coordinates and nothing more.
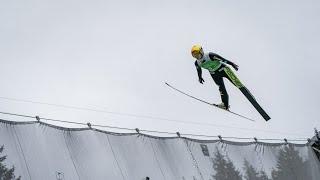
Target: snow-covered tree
(290, 166)
(6, 173)
(224, 168)
(252, 174)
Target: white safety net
(40, 151)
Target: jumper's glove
(201, 80)
(236, 67)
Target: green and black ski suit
(218, 69)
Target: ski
(255, 104)
(203, 101)
(246, 93)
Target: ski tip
(267, 119)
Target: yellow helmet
(196, 51)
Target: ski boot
(222, 106)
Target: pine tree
(224, 168)
(5, 173)
(252, 173)
(290, 166)
(263, 176)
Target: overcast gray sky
(116, 56)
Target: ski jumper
(218, 69)
(217, 66)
